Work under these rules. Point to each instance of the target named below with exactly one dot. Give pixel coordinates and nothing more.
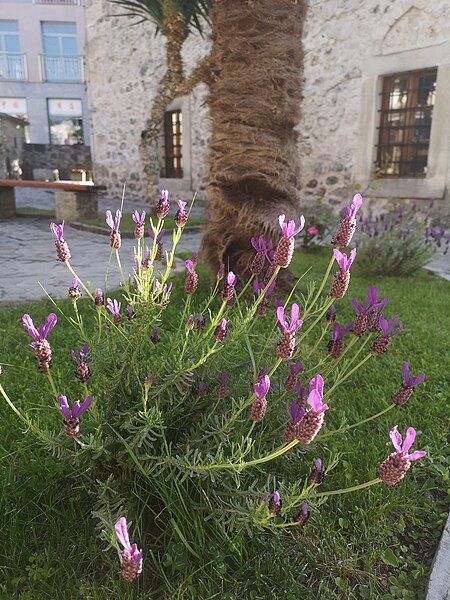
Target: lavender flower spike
(286, 345)
(259, 405)
(130, 556)
(259, 244)
(342, 278)
(347, 225)
(40, 345)
(373, 307)
(191, 282)
(275, 504)
(317, 474)
(387, 331)
(405, 392)
(181, 214)
(228, 291)
(115, 241)
(336, 343)
(294, 370)
(312, 421)
(72, 417)
(114, 308)
(139, 220)
(285, 248)
(222, 387)
(303, 515)
(163, 206)
(62, 249)
(221, 330)
(74, 290)
(82, 372)
(396, 465)
(98, 300)
(296, 413)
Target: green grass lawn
(375, 543)
(126, 225)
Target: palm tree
(254, 73)
(174, 19)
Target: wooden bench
(73, 201)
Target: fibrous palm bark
(254, 102)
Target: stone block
(76, 206)
(7, 203)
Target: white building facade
(375, 114)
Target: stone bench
(73, 201)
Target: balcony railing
(13, 66)
(62, 68)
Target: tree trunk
(254, 105)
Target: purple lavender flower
(181, 214)
(154, 337)
(336, 343)
(228, 291)
(331, 314)
(317, 474)
(347, 225)
(259, 244)
(303, 515)
(409, 382)
(98, 300)
(221, 272)
(130, 556)
(258, 287)
(294, 370)
(74, 290)
(286, 345)
(163, 206)
(131, 313)
(62, 249)
(259, 405)
(200, 323)
(191, 282)
(40, 345)
(373, 308)
(296, 412)
(388, 329)
(115, 241)
(285, 248)
(301, 392)
(202, 387)
(396, 465)
(308, 423)
(342, 278)
(275, 504)
(148, 380)
(221, 330)
(82, 372)
(190, 322)
(222, 387)
(139, 220)
(114, 308)
(72, 417)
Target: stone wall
(340, 36)
(49, 157)
(12, 141)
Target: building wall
(12, 142)
(344, 42)
(36, 92)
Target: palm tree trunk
(254, 105)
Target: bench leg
(76, 206)
(7, 203)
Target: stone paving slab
(27, 255)
(439, 583)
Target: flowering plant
(178, 435)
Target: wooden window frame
(173, 145)
(408, 146)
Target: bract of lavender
(170, 430)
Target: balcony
(13, 66)
(68, 69)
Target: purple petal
(49, 324)
(396, 438)
(75, 355)
(64, 407)
(84, 351)
(261, 388)
(316, 383)
(318, 464)
(84, 405)
(409, 439)
(117, 220)
(276, 498)
(231, 278)
(315, 400)
(280, 316)
(295, 311)
(189, 266)
(340, 258)
(405, 372)
(109, 219)
(121, 530)
(27, 322)
(415, 381)
(416, 455)
(356, 306)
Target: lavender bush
(399, 243)
(172, 431)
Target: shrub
(183, 427)
(398, 243)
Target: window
(173, 158)
(407, 101)
(60, 61)
(11, 60)
(65, 121)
